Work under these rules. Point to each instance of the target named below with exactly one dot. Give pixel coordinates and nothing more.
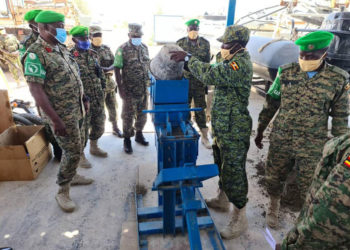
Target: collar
(47, 45)
(189, 41)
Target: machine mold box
(24, 150)
(170, 91)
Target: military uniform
(27, 42)
(324, 222)
(201, 50)
(231, 121)
(91, 75)
(9, 44)
(134, 63)
(58, 73)
(300, 128)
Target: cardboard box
(24, 150)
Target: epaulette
(339, 71)
(181, 39)
(203, 39)
(93, 51)
(105, 46)
(288, 66)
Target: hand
(59, 128)
(178, 56)
(87, 106)
(278, 247)
(258, 140)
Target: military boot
(272, 212)
(205, 140)
(237, 225)
(63, 199)
(81, 180)
(84, 163)
(116, 130)
(220, 202)
(127, 146)
(95, 150)
(139, 138)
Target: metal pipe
(231, 12)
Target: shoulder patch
(118, 59)
(339, 71)
(347, 161)
(234, 65)
(33, 66)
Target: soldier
(306, 94)
(324, 222)
(9, 54)
(29, 40)
(94, 83)
(200, 48)
(53, 79)
(133, 59)
(231, 121)
(107, 60)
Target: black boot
(127, 146)
(140, 139)
(116, 130)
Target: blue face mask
(136, 41)
(61, 35)
(84, 45)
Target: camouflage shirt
(200, 49)
(306, 103)
(106, 60)
(232, 81)
(324, 222)
(90, 73)
(134, 63)
(29, 40)
(58, 73)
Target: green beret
(235, 33)
(192, 22)
(48, 16)
(315, 41)
(79, 31)
(30, 15)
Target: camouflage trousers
(112, 105)
(284, 155)
(72, 146)
(197, 94)
(94, 123)
(132, 110)
(230, 156)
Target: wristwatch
(187, 57)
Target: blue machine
(180, 203)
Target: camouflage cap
(135, 29)
(94, 29)
(235, 33)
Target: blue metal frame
(231, 13)
(181, 207)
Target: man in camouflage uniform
(29, 40)
(107, 60)
(94, 82)
(306, 94)
(9, 54)
(200, 48)
(53, 79)
(324, 221)
(133, 60)
(231, 121)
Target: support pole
(231, 12)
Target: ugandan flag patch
(347, 161)
(234, 66)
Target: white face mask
(311, 65)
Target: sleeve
(34, 70)
(207, 56)
(118, 59)
(269, 110)
(340, 112)
(327, 223)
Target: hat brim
(136, 33)
(95, 32)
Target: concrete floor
(105, 216)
